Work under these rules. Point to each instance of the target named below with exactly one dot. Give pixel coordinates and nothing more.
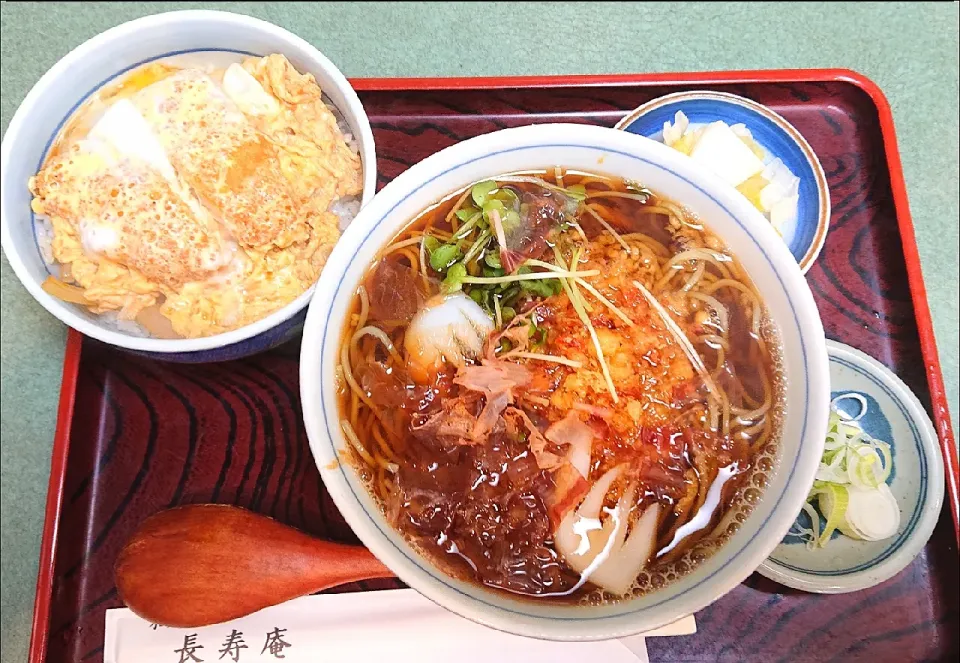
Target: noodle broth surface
(607, 427)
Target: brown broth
(486, 512)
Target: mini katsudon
(196, 200)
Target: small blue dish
(886, 409)
(805, 235)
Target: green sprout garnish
(453, 281)
(481, 190)
(444, 256)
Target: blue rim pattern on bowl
(439, 576)
(900, 551)
(772, 132)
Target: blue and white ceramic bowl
(805, 234)
(887, 410)
(729, 215)
(207, 34)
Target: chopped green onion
(850, 486)
(833, 500)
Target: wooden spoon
(209, 563)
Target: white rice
(346, 207)
(132, 327)
(342, 125)
(43, 230)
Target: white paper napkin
(398, 626)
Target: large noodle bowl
(561, 385)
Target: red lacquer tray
(135, 436)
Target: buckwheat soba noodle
(561, 385)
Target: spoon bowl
(205, 564)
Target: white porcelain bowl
(96, 62)
(751, 238)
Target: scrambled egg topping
(203, 196)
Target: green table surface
(910, 50)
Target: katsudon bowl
(183, 38)
(471, 174)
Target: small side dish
(878, 489)
(754, 150)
